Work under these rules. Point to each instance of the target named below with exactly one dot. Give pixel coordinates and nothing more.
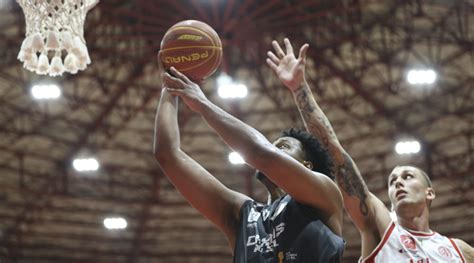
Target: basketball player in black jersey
(303, 220)
(409, 188)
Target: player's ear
(430, 194)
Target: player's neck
(416, 222)
(275, 193)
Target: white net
(54, 41)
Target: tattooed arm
(358, 200)
(367, 212)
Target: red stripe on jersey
(371, 257)
(457, 250)
(421, 234)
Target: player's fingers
(302, 54)
(176, 92)
(278, 50)
(169, 77)
(180, 75)
(172, 81)
(289, 48)
(273, 57)
(272, 65)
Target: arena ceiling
(360, 52)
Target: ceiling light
(115, 223)
(85, 165)
(232, 91)
(224, 79)
(421, 77)
(228, 89)
(407, 147)
(45, 92)
(236, 158)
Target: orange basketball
(193, 48)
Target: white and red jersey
(401, 245)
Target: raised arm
(304, 185)
(202, 190)
(365, 209)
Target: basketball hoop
(55, 30)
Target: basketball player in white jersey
(406, 239)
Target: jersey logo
(408, 242)
(267, 243)
(281, 257)
(253, 216)
(288, 256)
(445, 252)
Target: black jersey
(285, 231)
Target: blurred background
(78, 181)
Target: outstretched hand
(288, 68)
(182, 86)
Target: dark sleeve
(240, 251)
(244, 210)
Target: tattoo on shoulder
(352, 183)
